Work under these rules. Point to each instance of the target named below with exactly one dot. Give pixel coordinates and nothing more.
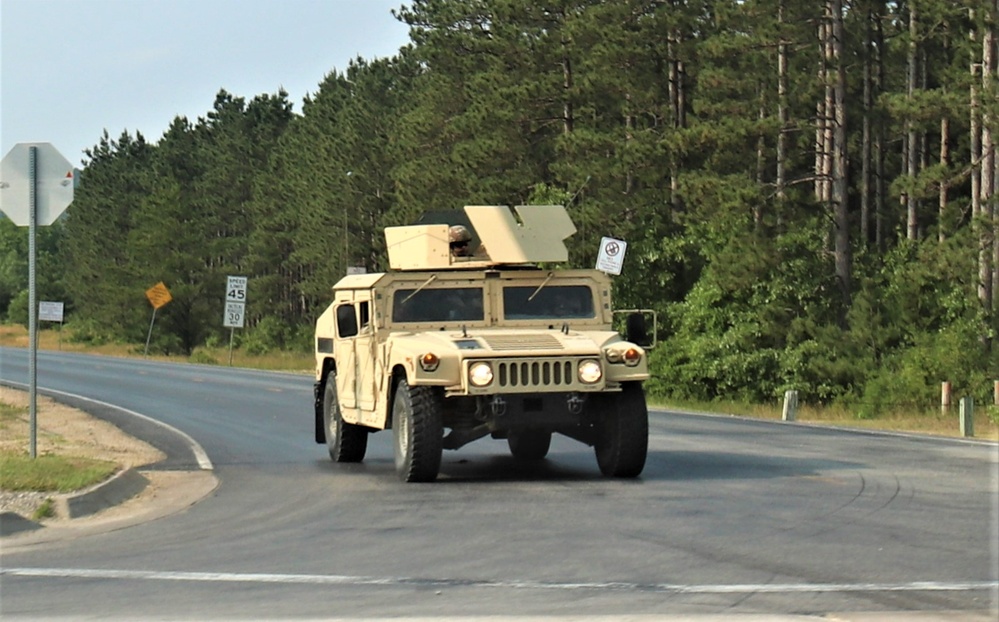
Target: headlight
(589, 371)
(480, 374)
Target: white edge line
(307, 579)
(199, 453)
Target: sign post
(235, 307)
(36, 186)
(158, 295)
(51, 312)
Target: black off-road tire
(622, 442)
(346, 442)
(528, 444)
(418, 432)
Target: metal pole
(32, 303)
(150, 333)
(231, 332)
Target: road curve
(731, 517)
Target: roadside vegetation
(926, 418)
(47, 472)
(818, 218)
(65, 339)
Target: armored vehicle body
(452, 345)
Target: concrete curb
(119, 488)
(182, 452)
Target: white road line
(313, 579)
(199, 453)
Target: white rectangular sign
(235, 289)
(234, 313)
(50, 311)
(610, 259)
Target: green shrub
(45, 510)
(203, 357)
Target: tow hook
(575, 402)
(497, 405)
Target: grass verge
(48, 472)
(51, 473)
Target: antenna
(581, 186)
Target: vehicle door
(346, 364)
(357, 364)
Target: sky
(70, 69)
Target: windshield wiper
(551, 275)
(419, 289)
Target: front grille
(538, 374)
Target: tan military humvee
(445, 350)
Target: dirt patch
(64, 431)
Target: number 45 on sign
(235, 302)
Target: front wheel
(418, 432)
(622, 442)
(347, 442)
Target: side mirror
(636, 326)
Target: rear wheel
(418, 432)
(528, 444)
(346, 442)
(622, 442)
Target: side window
(346, 321)
(365, 314)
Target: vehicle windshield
(441, 304)
(548, 303)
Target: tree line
(808, 189)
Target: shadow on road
(697, 465)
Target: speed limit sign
(235, 289)
(234, 312)
(235, 301)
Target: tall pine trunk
(987, 254)
(838, 187)
(911, 138)
(781, 181)
(944, 186)
(865, 141)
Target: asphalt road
(731, 517)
